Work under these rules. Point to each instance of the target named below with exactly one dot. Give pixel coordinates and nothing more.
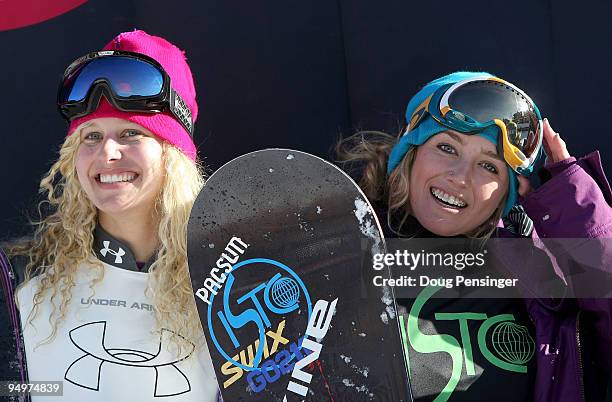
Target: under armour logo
(87, 370)
(117, 254)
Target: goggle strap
(418, 114)
(182, 112)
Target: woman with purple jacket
(457, 170)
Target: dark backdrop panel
(296, 74)
(582, 51)
(268, 75)
(395, 47)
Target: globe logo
(513, 343)
(280, 292)
(285, 292)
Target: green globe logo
(513, 343)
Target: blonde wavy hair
(369, 151)
(63, 239)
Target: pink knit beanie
(163, 125)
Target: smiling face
(119, 165)
(456, 183)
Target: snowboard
(280, 247)
(12, 363)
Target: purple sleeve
(575, 203)
(572, 215)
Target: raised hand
(554, 146)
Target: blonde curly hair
(63, 239)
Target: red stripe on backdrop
(21, 13)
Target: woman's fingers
(553, 144)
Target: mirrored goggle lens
(484, 101)
(126, 76)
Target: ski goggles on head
(131, 82)
(475, 104)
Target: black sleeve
(18, 265)
(12, 353)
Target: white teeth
(116, 178)
(449, 199)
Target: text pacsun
(229, 257)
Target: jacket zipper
(580, 366)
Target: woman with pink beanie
(104, 299)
